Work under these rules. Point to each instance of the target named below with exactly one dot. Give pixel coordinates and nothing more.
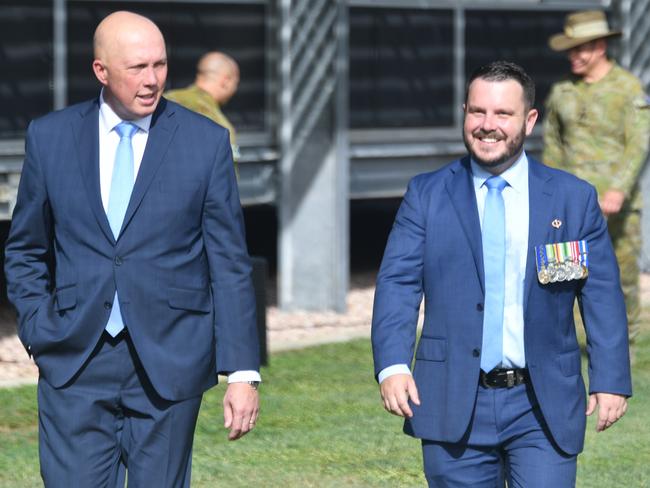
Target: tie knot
(496, 183)
(125, 129)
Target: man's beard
(513, 148)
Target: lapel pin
(557, 223)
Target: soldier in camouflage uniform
(217, 79)
(597, 126)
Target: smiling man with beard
(496, 389)
(496, 122)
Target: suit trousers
(507, 439)
(109, 417)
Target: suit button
(476, 353)
(117, 261)
(108, 305)
(479, 307)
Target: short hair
(502, 71)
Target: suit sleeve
(237, 344)
(552, 155)
(637, 137)
(29, 244)
(603, 309)
(399, 286)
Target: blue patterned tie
(118, 200)
(494, 265)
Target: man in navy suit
(127, 264)
(496, 389)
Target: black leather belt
(504, 378)
(123, 334)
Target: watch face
(254, 384)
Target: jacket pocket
(432, 349)
(194, 300)
(65, 298)
(570, 362)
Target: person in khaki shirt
(597, 125)
(216, 82)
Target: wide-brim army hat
(581, 27)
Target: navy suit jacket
(180, 263)
(435, 250)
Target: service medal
(584, 262)
(552, 262)
(541, 261)
(561, 261)
(560, 254)
(543, 276)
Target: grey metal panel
(387, 177)
(383, 170)
(484, 4)
(242, 2)
(635, 27)
(635, 55)
(459, 64)
(305, 18)
(11, 164)
(258, 183)
(313, 166)
(341, 104)
(60, 56)
(311, 50)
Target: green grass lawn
(322, 426)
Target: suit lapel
(161, 133)
(85, 131)
(463, 197)
(540, 203)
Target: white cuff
(393, 370)
(244, 376)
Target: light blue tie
(118, 200)
(494, 265)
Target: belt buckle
(510, 378)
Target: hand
(612, 202)
(396, 391)
(241, 406)
(611, 407)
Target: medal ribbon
(559, 252)
(540, 253)
(575, 252)
(583, 254)
(550, 253)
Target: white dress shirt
(515, 199)
(108, 142)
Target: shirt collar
(110, 119)
(516, 175)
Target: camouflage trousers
(625, 231)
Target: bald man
(127, 264)
(216, 82)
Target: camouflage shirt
(200, 101)
(599, 131)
